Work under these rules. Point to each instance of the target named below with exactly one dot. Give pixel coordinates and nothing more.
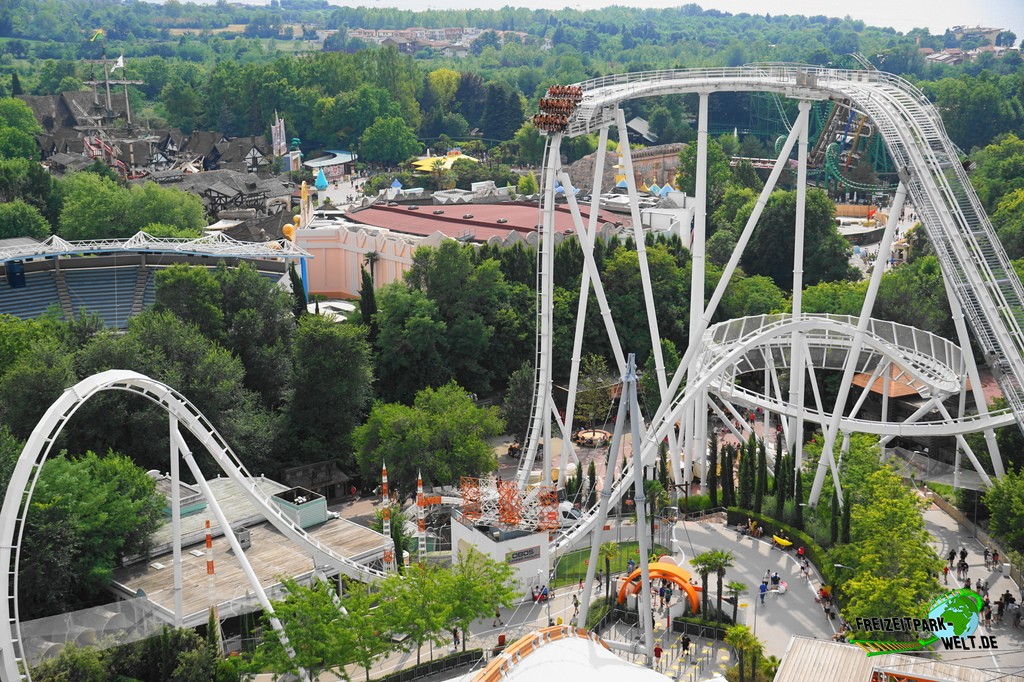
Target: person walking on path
(455, 637)
(685, 645)
(952, 557)
(764, 591)
(657, 657)
(497, 619)
(945, 575)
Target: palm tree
(735, 589)
(723, 560)
(702, 564)
(609, 551)
(718, 561)
(371, 261)
(746, 646)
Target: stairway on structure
(62, 294)
(141, 279)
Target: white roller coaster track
(26, 473)
(964, 239)
(972, 259)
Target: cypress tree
(663, 476)
(746, 476)
(833, 525)
(777, 467)
(798, 498)
(781, 486)
(298, 292)
(847, 502)
(368, 305)
(728, 488)
(16, 88)
(713, 470)
(762, 477)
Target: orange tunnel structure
(666, 571)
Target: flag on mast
(97, 34)
(119, 64)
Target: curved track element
(26, 474)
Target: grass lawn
(573, 566)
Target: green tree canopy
(331, 388)
(389, 141)
(826, 252)
(18, 219)
(443, 435)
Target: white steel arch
(37, 449)
(981, 285)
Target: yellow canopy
(431, 163)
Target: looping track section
(972, 258)
(37, 449)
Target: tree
(518, 402)
(17, 127)
(826, 252)
(413, 607)
(503, 111)
(704, 565)
(32, 381)
(311, 618)
(761, 486)
(718, 172)
(366, 627)
(443, 435)
(389, 141)
(747, 472)
(475, 587)
(332, 377)
(798, 499)
(85, 516)
(94, 208)
(80, 664)
(411, 343)
(258, 329)
(368, 304)
(735, 589)
(728, 464)
(527, 184)
(719, 562)
(19, 219)
(899, 576)
(609, 551)
(1005, 504)
(1008, 220)
(592, 397)
(193, 295)
(713, 470)
(747, 648)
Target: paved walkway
(784, 615)
(949, 534)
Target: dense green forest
(331, 92)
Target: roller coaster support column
(542, 399)
(667, 411)
(586, 244)
(980, 402)
(604, 501)
(832, 429)
(798, 375)
(243, 561)
(645, 608)
(626, 158)
(176, 522)
(697, 253)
